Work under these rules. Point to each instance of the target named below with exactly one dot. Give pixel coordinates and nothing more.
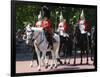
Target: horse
(93, 39)
(41, 45)
(81, 42)
(66, 45)
(27, 37)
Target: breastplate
(61, 28)
(82, 26)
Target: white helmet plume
(82, 14)
(40, 15)
(61, 16)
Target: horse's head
(32, 33)
(27, 35)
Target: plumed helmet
(46, 11)
(40, 15)
(61, 16)
(82, 14)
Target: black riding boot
(49, 39)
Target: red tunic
(85, 24)
(46, 24)
(64, 25)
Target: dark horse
(66, 46)
(81, 42)
(93, 45)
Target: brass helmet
(82, 15)
(40, 16)
(61, 16)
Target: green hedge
(29, 13)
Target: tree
(28, 13)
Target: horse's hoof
(87, 63)
(39, 69)
(53, 65)
(56, 66)
(81, 63)
(68, 62)
(61, 62)
(51, 68)
(74, 63)
(65, 63)
(31, 66)
(47, 66)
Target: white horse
(41, 45)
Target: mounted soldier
(47, 26)
(62, 25)
(62, 28)
(39, 22)
(82, 23)
(81, 41)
